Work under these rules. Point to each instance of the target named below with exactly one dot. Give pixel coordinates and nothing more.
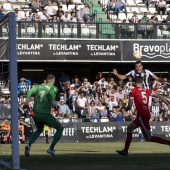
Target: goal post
(13, 90)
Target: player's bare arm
(129, 105)
(120, 76)
(161, 97)
(157, 78)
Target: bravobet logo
(153, 51)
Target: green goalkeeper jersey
(45, 94)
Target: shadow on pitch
(96, 161)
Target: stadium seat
(81, 6)
(66, 31)
(128, 9)
(77, 1)
(7, 6)
(130, 2)
(5, 91)
(64, 8)
(22, 1)
(159, 33)
(55, 7)
(122, 16)
(74, 31)
(143, 9)
(65, 120)
(152, 10)
(12, 1)
(16, 6)
(49, 31)
(31, 31)
(85, 31)
(135, 9)
(104, 119)
(70, 7)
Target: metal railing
(90, 30)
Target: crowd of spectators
(48, 13)
(105, 99)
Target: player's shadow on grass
(97, 161)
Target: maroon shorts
(143, 122)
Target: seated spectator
(112, 103)
(87, 16)
(113, 114)
(119, 6)
(119, 117)
(81, 105)
(161, 6)
(35, 5)
(76, 82)
(73, 17)
(102, 83)
(92, 112)
(29, 17)
(50, 9)
(145, 18)
(110, 6)
(80, 15)
(64, 19)
(23, 86)
(134, 18)
(60, 12)
(18, 16)
(44, 16)
(154, 18)
(63, 109)
(101, 110)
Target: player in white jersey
(139, 72)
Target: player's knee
(148, 138)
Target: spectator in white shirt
(73, 17)
(66, 17)
(81, 105)
(44, 16)
(161, 7)
(102, 83)
(50, 9)
(18, 15)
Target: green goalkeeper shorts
(46, 119)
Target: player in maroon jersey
(141, 98)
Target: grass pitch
(97, 156)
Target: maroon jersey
(141, 99)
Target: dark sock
(128, 141)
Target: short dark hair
(139, 80)
(138, 62)
(50, 77)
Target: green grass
(97, 156)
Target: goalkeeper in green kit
(45, 95)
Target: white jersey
(146, 74)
